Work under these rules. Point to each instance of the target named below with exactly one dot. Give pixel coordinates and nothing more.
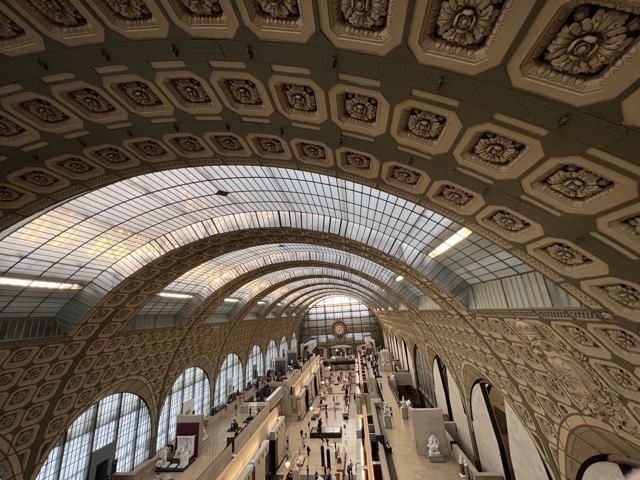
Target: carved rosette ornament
(61, 13)
(75, 165)
(44, 112)
(423, 125)
(623, 294)
(112, 155)
(9, 129)
(244, 92)
(574, 182)
(39, 178)
(404, 175)
(228, 142)
(467, 22)
(189, 90)
(140, 94)
(301, 98)
(357, 160)
(8, 194)
(150, 148)
(566, 255)
(205, 8)
(360, 108)
(591, 39)
(455, 195)
(509, 221)
(367, 14)
(270, 145)
(283, 9)
(624, 340)
(188, 144)
(90, 100)
(494, 149)
(9, 30)
(634, 223)
(314, 152)
(129, 9)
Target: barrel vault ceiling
(274, 151)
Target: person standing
(308, 452)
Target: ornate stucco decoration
(359, 163)
(312, 153)
(133, 18)
(149, 149)
(16, 37)
(623, 225)
(13, 133)
(187, 145)
(73, 166)
(293, 18)
(405, 178)
(455, 197)
(586, 50)
(38, 180)
(203, 18)
(508, 224)
(566, 258)
(622, 297)
(111, 156)
(42, 113)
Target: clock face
(339, 329)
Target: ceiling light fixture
(21, 282)
(232, 300)
(399, 278)
(261, 302)
(451, 241)
(174, 295)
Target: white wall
(441, 399)
(488, 449)
(526, 461)
(460, 417)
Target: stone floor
(408, 465)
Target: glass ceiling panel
(121, 227)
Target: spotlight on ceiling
(450, 242)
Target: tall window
(230, 379)
(359, 320)
(272, 353)
(425, 382)
(192, 384)
(255, 364)
(284, 347)
(294, 342)
(122, 418)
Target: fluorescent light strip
(231, 300)
(261, 302)
(21, 282)
(399, 278)
(174, 295)
(451, 241)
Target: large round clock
(339, 329)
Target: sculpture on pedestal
(434, 446)
(162, 459)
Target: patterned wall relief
(278, 19)
(132, 18)
(203, 18)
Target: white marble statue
(162, 459)
(184, 457)
(204, 434)
(185, 448)
(434, 446)
(387, 410)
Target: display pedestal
(405, 412)
(436, 458)
(387, 421)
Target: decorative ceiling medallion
(508, 224)
(359, 110)
(90, 102)
(621, 296)
(624, 343)
(43, 113)
(74, 167)
(39, 180)
(566, 258)
(339, 329)
(623, 225)
(133, 18)
(426, 127)
(67, 21)
(203, 18)
(624, 382)
(313, 153)
(16, 37)
(149, 149)
(139, 96)
(497, 151)
(269, 146)
(455, 197)
(298, 99)
(404, 177)
(15, 134)
(242, 93)
(467, 36)
(111, 157)
(585, 53)
(188, 146)
(372, 26)
(576, 185)
(359, 163)
(189, 92)
(275, 19)
(228, 145)
(13, 198)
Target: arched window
(284, 347)
(192, 384)
(294, 342)
(122, 419)
(425, 381)
(230, 379)
(255, 364)
(272, 353)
